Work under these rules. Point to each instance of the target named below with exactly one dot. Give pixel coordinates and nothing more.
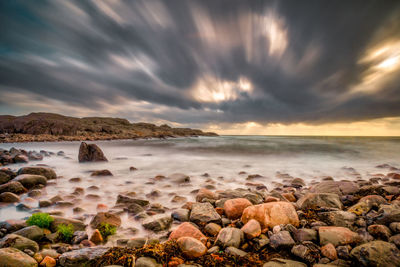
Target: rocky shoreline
(353, 222)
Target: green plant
(66, 232)
(43, 220)
(106, 230)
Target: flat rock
(337, 236)
(365, 204)
(77, 224)
(204, 213)
(32, 232)
(80, 257)
(14, 257)
(19, 242)
(157, 223)
(13, 187)
(376, 253)
(320, 200)
(191, 247)
(338, 218)
(388, 214)
(146, 262)
(229, 237)
(235, 252)
(188, 229)
(284, 263)
(281, 239)
(337, 187)
(105, 217)
(49, 173)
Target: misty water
(310, 158)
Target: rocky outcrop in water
(90, 152)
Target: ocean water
(310, 158)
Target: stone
(229, 237)
(48, 262)
(252, 229)
(337, 187)
(234, 208)
(49, 173)
(329, 251)
(13, 225)
(179, 178)
(178, 199)
(319, 200)
(79, 236)
(284, 263)
(191, 247)
(337, 236)
(32, 232)
(395, 227)
(212, 229)
(281, 239)
(388, 214)
(203, 213)
(301, 235)
(365, 204)
(4, 177)
(19, 242)
(395, 239)
(379, 231)
(30, 180)
(21, 159)
(90, 152)
(101, 173)
(13, 187)
(49, 252)
(146, 262)
(9, 197)
(105, 217)
(45, 203)
(13, 257)
(134, 209)
(80, 257)
(235, 252)
(271, 214)
(376, 253)
(77, 224)
(157, 223)
(306, 251)
(253, 197)
(188, 229)
(96, 237)
(338, 218)
(205, 193)
(181, 215)
(121, 199)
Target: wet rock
(146, 262)
(157, 223)
(21, 159)
(179, 178)
(337, 236)
(366, 203)
(177, 199)
(80, 257)
(340, 188)
(75, 180)
(395, 240)
(121, 199)
(205, 193)
(204, 213)
(9, 197)
(14, 257)
(96, 237)
(101, 173)
(105, 217)
(252, 229)
(379, 231)
(343, 252)
(30, 180)
(48, 262)
(395, 227)
(191, 247)
(235, 252)
(283, 263)
(49, 173)
(134, 209)
(301, 235)
(4, 177)
(388, 214)
(253, 197)
(234, 208)
(271, 214)
(32, 232)
(281, 239)
(49, 252)
(13, 225)
(13, 187)
(181, 215)
(79, 236)
(306, 251)
(77, 224)
(188, 229)
(338, 218)
(229, 237)
(23, 207)
(90, 152)
(212, 229)
(45, 203)
(19, 242)
(35, 193)
(376, 253)
(319, 200)
(329, 251)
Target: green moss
(43, 220)
(66, 232)
(106, 230)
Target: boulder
(235, 252)
(90, 152)
(14, 257)
(9, 197)
(337, 236)
(49, 173)
(179, 178)
(337, 187)
(81, 257)
(191, 247)
(181, 215)
(146, 262)
(329, 251)
(376, 253)
(203, 213)
(284, 263)
(388, 214)
(307, 251)
(157, 223)
(32, 232)
(380, 231)
(338, 218)
(252, 229)
(77, 224)
(101, 173)
(30, 180)
(13, 187)
(212, 229)
(303, 234)
(20, 158)
(4, 177)
(205, 193)
(366, 203)
(234, 208)
(188, 229)
(105, 217)
(18, 242)
(253, 197)
(271, 214)
(281, 239)
(229, 237)
(319, 200)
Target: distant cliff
(55, 127)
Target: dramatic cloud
(203, 62)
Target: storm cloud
(200, 62)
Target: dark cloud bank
(206, 61)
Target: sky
(233, 67)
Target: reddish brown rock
(329, 251)
(96, 237)
(105, 217)
(252, 229)
(101, 173)
(48, 262)
(271, 199)
(337, 236)
(234, 208)
(289, 196)
(271, 214)
(191, 247)
(205, 193)
(90, 152)
(188, 229)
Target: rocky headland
(40, 127)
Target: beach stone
(32, 232)
(235, 252)
(13, 187)
(202, 213)
(281, 239)
(337, 236)
(179, 178)
(337, 187)
(205, 193)
(13, 225)
(188, 229)
(105, 217)
(234, 208)
(229, 237)
(35, 193)
(4, 177)
(45, 203)
(134, 208)
(365, 204)
(14, 257)
(388, 214)
(319, 200)
(181, 215)
(21, 159)
(338, 218)
(90, 152)
(30, 180)
(379, 231)
(395, 239)
(306, 251)
(49, 173)
(191, 247)
(121, 199)
(96, 237)
(376, 253)
(271, 214)
(146, 262)
(303, 234)
(9, 197)
(79, 236)
(49, 252)
(343, 252)
(101, 173)
(284, 263)
(80, 257)
(253, 197)
(48, 262)
(212, 229)
(252, 229)
(77, 224)
(395, 227)
(157, 223)
(329, 251)
(19, 242)
(177, 199)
